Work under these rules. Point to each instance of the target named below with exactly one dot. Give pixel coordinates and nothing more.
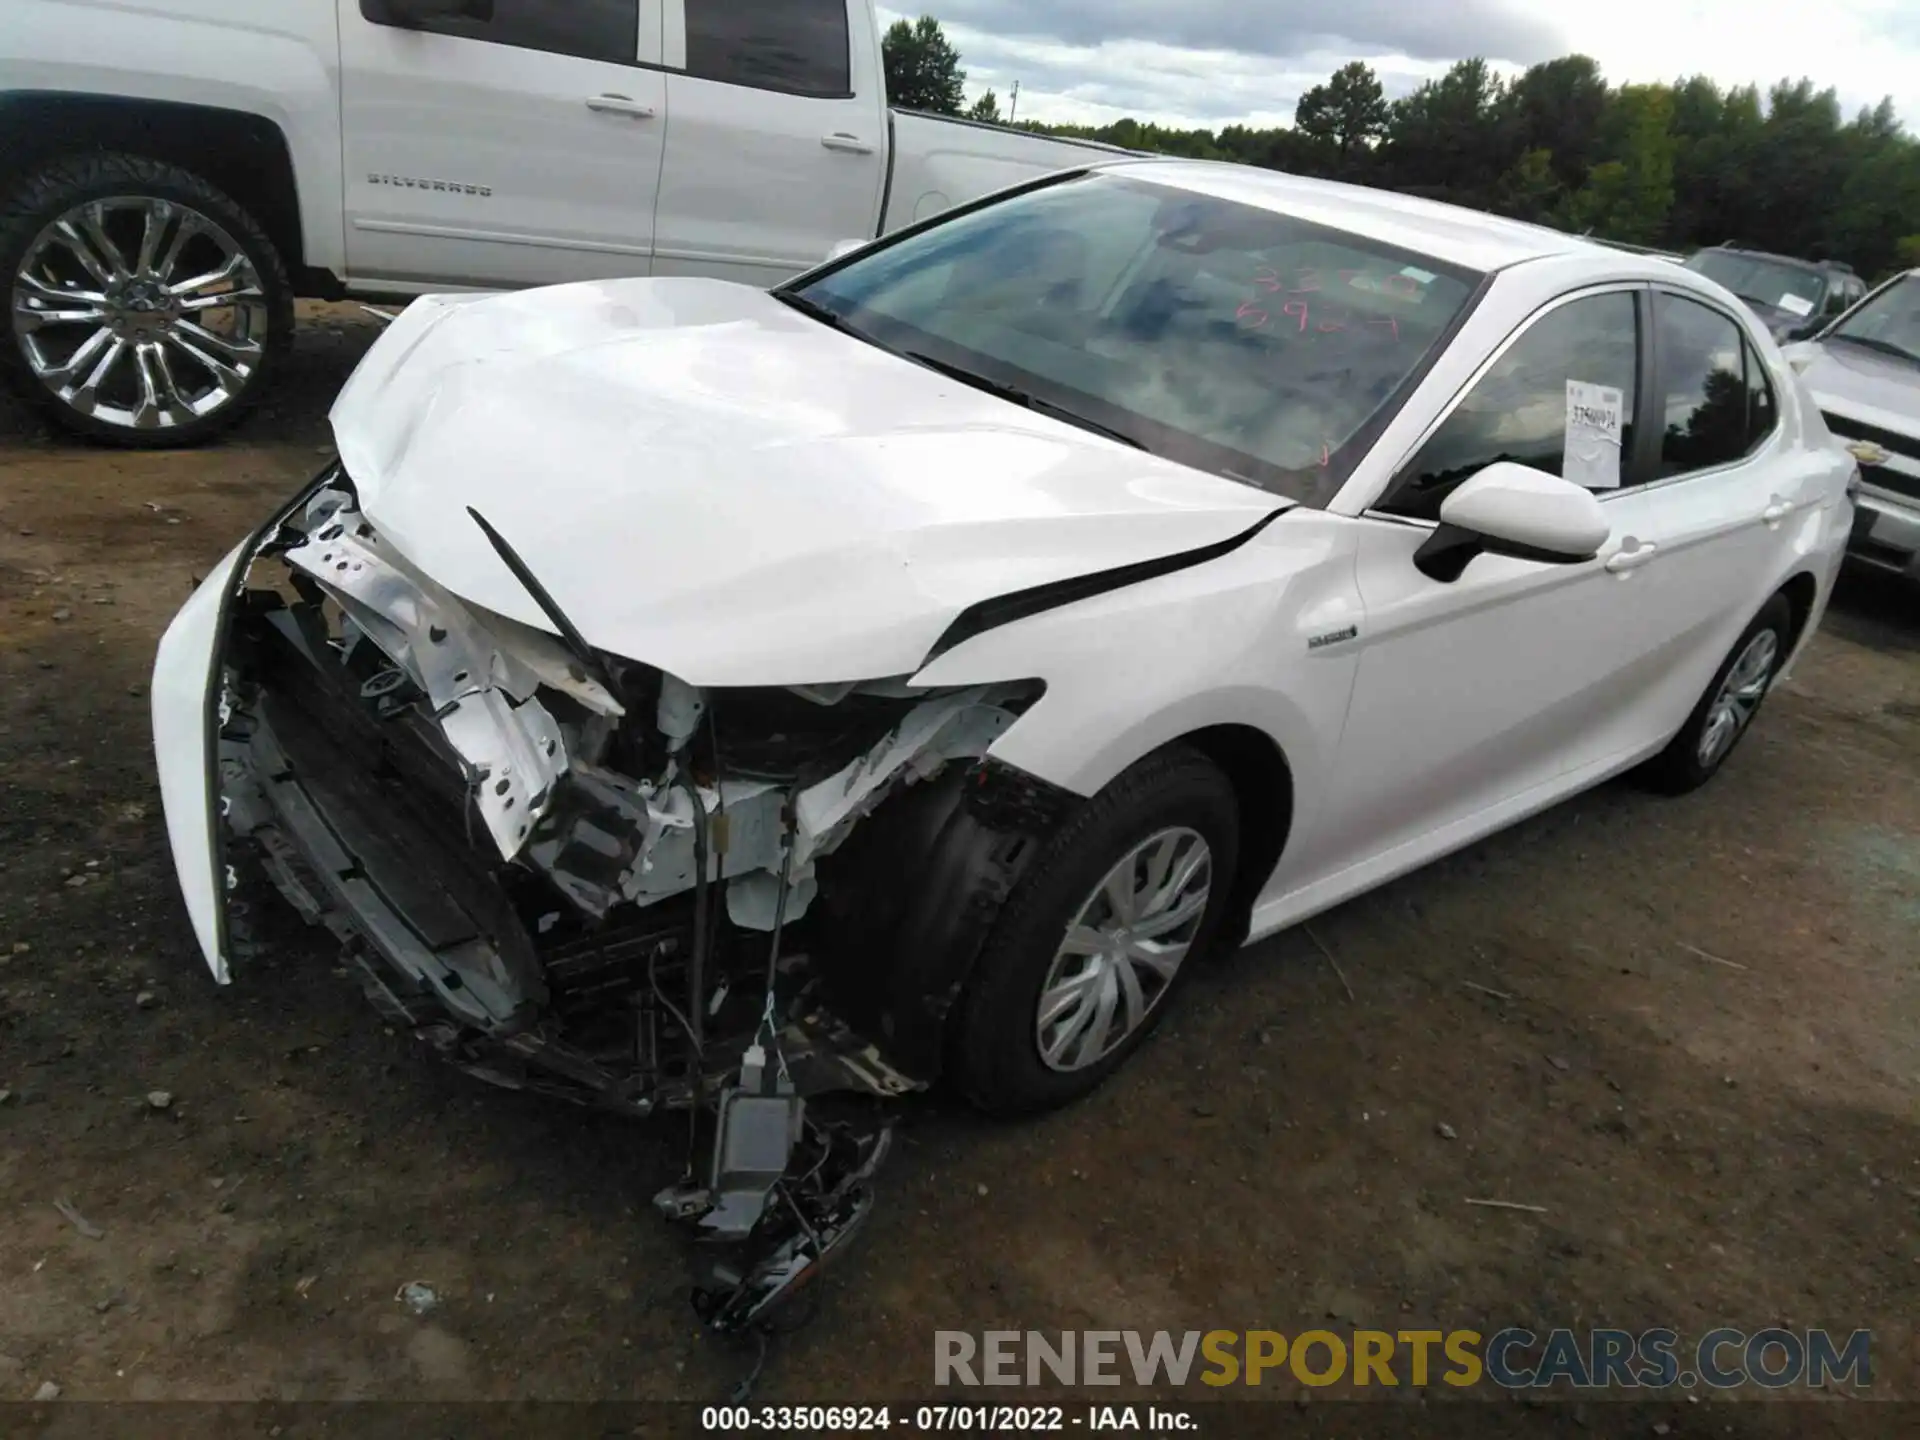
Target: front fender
(1224, 643)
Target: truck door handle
(620, 105)
(1776, 512)
(1624, 560)
(848, 144)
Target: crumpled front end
(574, 873)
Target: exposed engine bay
(572, 873)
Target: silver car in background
(1864, 372)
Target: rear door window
(1716, 404)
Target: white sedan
(680, 694)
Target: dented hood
(712, 483)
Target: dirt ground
(1725, 1140)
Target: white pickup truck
(174, 172)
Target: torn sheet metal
(946, 727)
(607, 836)
(963, 724)
(939, 729)
(479, 678)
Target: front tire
(1727, 710)
(1098, 936)
(145, 308)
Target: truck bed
(940, 161)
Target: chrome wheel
(1123, 949)
(1740, 695)
(140, 312)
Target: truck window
(799, 47)
(590, 29)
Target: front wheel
(1098, 935)
(1726, 711)
(145, 307)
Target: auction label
(1594, 425)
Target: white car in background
(1863, 371)
(685, 695)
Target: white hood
(1861, 384)
(712, 483)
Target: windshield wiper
(1885, 347)
(814, 310)
(1024, 398)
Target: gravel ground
(1710, 1140)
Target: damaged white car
(684, 696)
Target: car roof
(1452, 234)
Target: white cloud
(1864, 49)
(1197, 62)
(1151, 81)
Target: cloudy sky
(1214, 62)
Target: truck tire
(145, 308)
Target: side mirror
(1515, 510)
(844, 247)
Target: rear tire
(1166, 834)
(145, 308)
(1728, 708)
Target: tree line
(1672, 166)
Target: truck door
(524, 149)
(779, 140)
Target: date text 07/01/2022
(958, 1419)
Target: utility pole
(1013, 106)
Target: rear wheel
(145, 307)
(1098, 935)
(1726, 711)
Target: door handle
(1776, 512)
(620, 105)
(847, 144)
(1623, 560)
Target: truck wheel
(146, 308)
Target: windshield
(1778, 283)
(1223, 336)
(1889, 319)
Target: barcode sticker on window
(1594, 426)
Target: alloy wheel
(1740, 696)
(1125, 945)
(141, 312)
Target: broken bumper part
(508, 852)
(185, 676)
